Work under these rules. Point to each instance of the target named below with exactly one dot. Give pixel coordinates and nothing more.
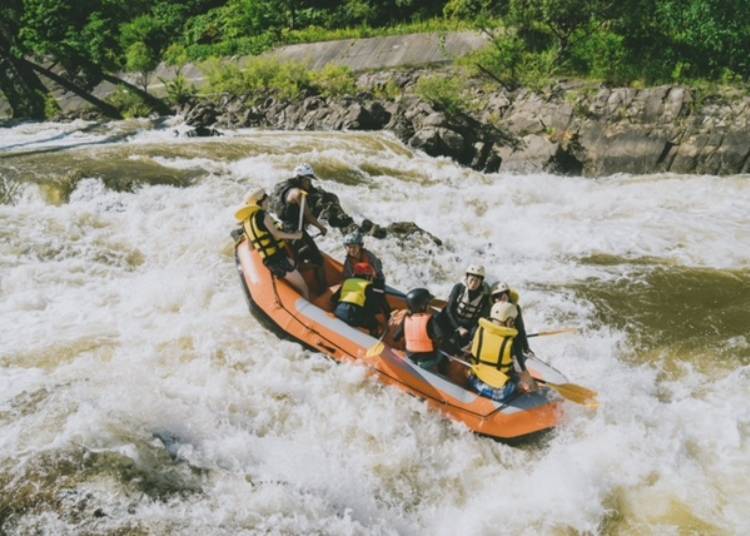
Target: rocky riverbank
(570, 128)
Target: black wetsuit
(288, 213)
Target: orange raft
(279, 307)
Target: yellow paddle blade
(375, 349)
(490, 375)
(576, 393)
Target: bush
(443, 92)
(602, 55)
(502, 60)
(128, 103)
(51, 107)
(284, 79)
(334, 81)
(179, 90)
(390, 91)
(259, 76)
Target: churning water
(138, 396)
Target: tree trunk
(106, 108)
(22, 88)
(157, 104)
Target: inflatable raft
(279, 307)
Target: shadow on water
(692, 311)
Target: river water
(138, 396)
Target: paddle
(575, 393)
(554, 332)
(378, 347)
(491, 376)
(570, 391)
(302, 211)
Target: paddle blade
(576, 393)
(375, 349)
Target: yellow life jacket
(353, 291)
(262, 240)
(492, 346)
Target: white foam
(123, 311)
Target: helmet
(354, 239)
(256, 198)
(304, 170)
(475, 269)
(418, 299)
(502, 311)
(363, 268)
(499, 288)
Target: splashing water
(137, 395)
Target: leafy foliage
(619, 41)
(334, 80)
(443, 92)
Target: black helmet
(418, 299)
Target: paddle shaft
(456, 359)
(302, 211)
(553, 332)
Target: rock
(202, 132)
(535, 154)
(571, 128)
(406, 229)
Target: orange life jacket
(416, 334)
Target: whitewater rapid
(138, 395)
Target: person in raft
(501, 292)
(356, 303)
(356, 253)
(268, 240)
(502, 368)
(468, 301)
(287, 200)
(420, 330)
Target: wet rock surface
(568, 129)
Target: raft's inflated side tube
(277, 303)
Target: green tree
(141, 58)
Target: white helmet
(499, 288)
(502, 311)
(256, 197)
(475, 269)
(304, 170)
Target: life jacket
(354, 291)
(416, 334)
(262, 240)
(467, 309)
(492, 346)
